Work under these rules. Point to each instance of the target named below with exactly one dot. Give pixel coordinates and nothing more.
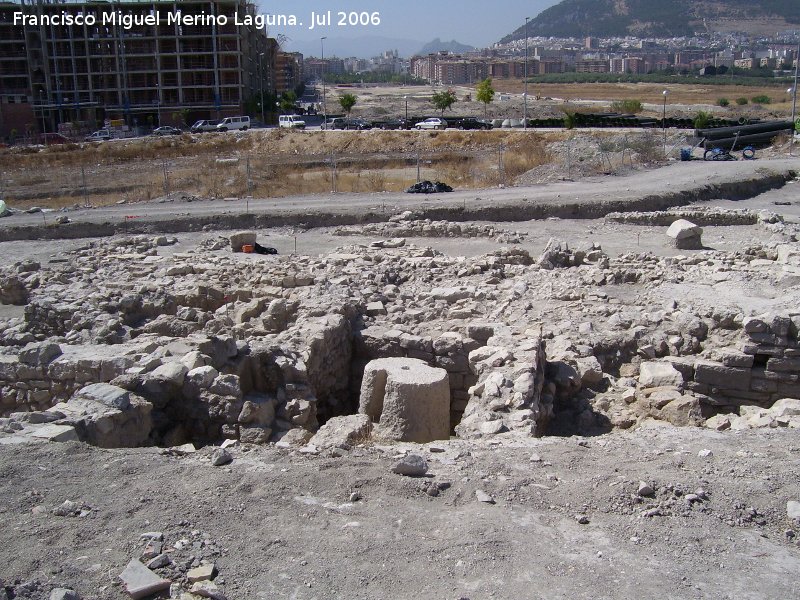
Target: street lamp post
(794, 99)
(261, 81)
(41, 98)
(406, 99)
(525, 75)
(158, 91)
(324, 104)
(664, 120)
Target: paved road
(680, 183)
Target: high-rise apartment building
(132, 60)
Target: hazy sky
(475, 22)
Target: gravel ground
(280, 524)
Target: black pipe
(727, 132)
(742, 140)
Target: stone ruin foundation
(268, 349)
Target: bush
(741, 101)
(760, 99)
(723, 102)
(569, 120)
(627, 106)
(701, 120)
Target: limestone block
(106, 394)
(733, 358)
(245, 312)
(755, 325)
(447, 343)
(718, 375)
(194, 360)
(102, 425)
(685, 235)
(408, 400)
(375, 308)
(241, 238)
(785, 407)
(789, 254)
(342, 431)
(254, 435)
(683, 412)
(783, 364)
(659, 374)
(202, 377)
(257, 410)
(56, 433)
(171, 373)
(140, 582)
(452, 294)
(8, 367)
(39, 353)
(719, 422)
(589, 370)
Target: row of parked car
(244, 123)
(407, 124)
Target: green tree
(288, 100)
(347, 102)
(444, 100)
(485, 94)
(702, 120)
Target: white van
(291, 121)
(230, 123)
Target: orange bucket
(248, 248)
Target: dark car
(166, 130)
(357, 124)
(471, 123)
(335, 123)
(397, 124)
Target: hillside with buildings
(644, 18)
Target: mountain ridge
(657, 18)
(438, 45)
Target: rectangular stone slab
(141, 582)
(56, 433)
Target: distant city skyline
(473, 22)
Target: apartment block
(68, 62)
(592, 66)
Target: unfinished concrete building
(88, 67)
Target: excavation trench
(473, 209)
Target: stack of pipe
(737, 137)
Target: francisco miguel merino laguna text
(129, 20)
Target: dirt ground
(279, 524)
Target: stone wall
(763, 368)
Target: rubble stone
(242, 238)
(140, 582)
(685, 235)
(345, 431)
